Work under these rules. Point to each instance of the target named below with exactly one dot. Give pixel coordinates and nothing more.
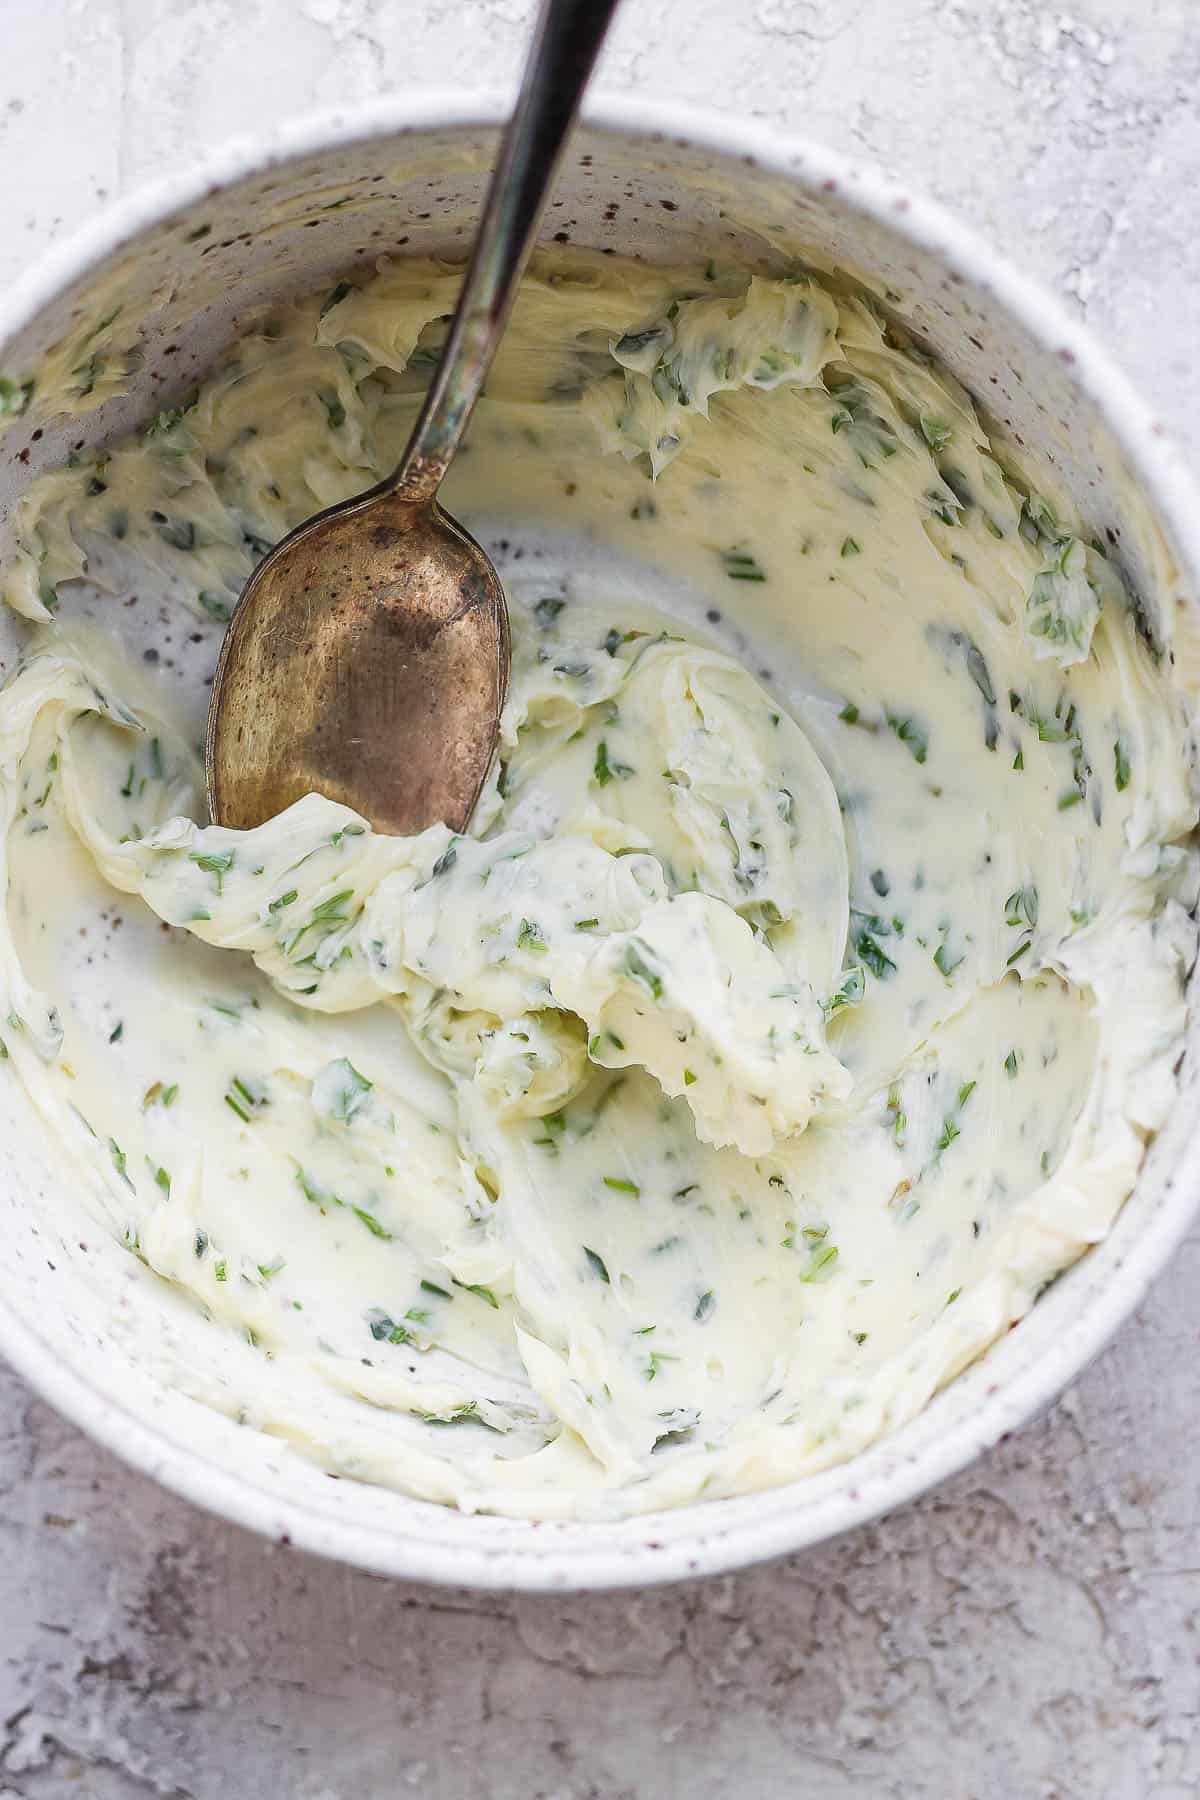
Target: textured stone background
(1030, 1632)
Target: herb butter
(776, 1032)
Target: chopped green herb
(741, 566)
(911, 736)
(640, 966)
(529, 937)
(372, 1223)
(547, 610)
(865, 931)
(445, 861)
(950, 1130)
(1021, 907)
(977, 669)
(597, 1265)
(335, 296)
(14, 397)
(481, 1293)
(853, 988)
(605, 770)
(621, 1185)
(216, 863)
(821, 1263)
(944, 962)
(343, 1090)
(179, 533)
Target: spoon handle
(568, 39)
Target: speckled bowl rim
(651, 1548)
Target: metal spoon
(368, 655)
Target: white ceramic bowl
(283, 215)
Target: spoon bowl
(368, 658)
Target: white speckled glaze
(681, 184)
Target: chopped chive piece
(481, 1293)
(605, 770)
(620, 1185)
(372, 1223)
(597, 1265)
(741, 566)
(911, 736)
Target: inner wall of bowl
(188, 285)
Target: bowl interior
(77, 1315)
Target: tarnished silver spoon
(368, 655)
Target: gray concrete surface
(1031, 1630)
